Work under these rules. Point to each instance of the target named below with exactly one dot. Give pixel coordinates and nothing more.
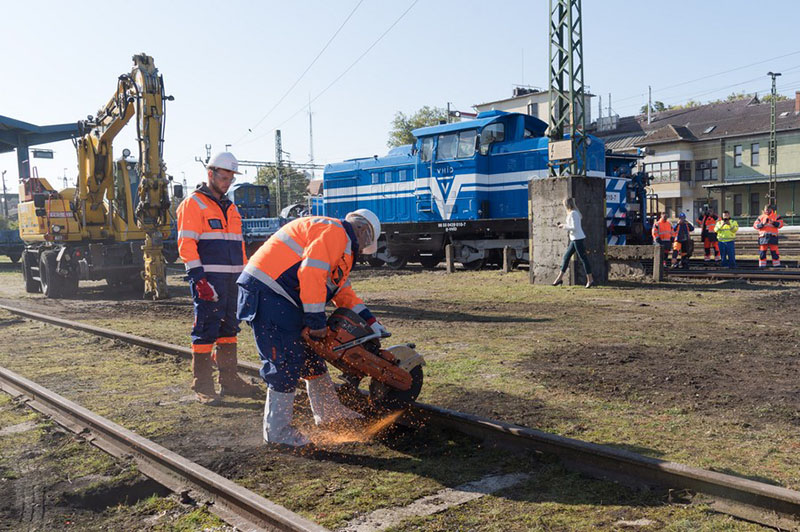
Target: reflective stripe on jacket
(662, 230)
(210, 235)
(707, 223)
(308, 261)
(767, 223)
(726, 232)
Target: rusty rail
(747, 499)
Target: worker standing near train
(662, 235)
(726, 230)
(683, 245)
(212, 249)
(768, 225)
(707, 222)
(284, 289)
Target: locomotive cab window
(466, 143)
(490, 134)
(447, 147)
(426, 153)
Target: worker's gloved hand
(205, 290)
(776, 224)
(759, 226)
(377, 327)
(318, 334)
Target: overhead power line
(289, 90)
(340, 76)
(709, 76)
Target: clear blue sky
(228, 64)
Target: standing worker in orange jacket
(283, 289)
(707, 222)
(212, 249)
(662, 235)
(767, 225)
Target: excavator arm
(139, 94)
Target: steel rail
(236, 505)
(747, 499)
(736, 274)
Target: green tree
(293, 186)
(778, 98)
(687, 105)
(657, 107)
(402, 125)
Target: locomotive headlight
(56, 228)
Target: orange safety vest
(768, 228)
(707, 222)
(662, 229)
(308, 261)
(210, 235)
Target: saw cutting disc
(384, 397)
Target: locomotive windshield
(426, 153)
(492, 133)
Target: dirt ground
(700, 373)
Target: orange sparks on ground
(355, 431)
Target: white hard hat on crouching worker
(369, 216)
(225, 161)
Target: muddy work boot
(229, 381)
(325, 404)
(203, 383)
(278, 429)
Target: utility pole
(5, 199)
(567, 92)
(310, 137)
(773, 147)
(649, 102)
(278, 163)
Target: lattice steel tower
(773, 147)
(567, 95)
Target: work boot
(229, 381)
(325, 402)
(278, 410)
(203, 382)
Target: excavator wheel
(385, 398)
(50, 280)
(32, 285)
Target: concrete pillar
(549, 242)
(448, 258)
(658, 264)
(508, 258)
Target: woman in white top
(577, 240)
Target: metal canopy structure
(19, 135)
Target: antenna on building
(599, 106)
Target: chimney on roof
(796, 102)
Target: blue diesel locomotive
(464, 184)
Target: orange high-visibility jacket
(768, 224)
(210, 235)
(707, 223)
(662, 230)
(308, 261)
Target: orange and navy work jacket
(662, 230)
(768, 225)
(210, 235)
(308, 261)
(707, 223)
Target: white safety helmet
(225, 161)
(368, 215)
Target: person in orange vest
(283, 290)
(683, 245)
(707, 222)
(212, 249)
(768, 225)
(662, 235)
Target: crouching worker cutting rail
(282, 291)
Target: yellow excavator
(113, 224)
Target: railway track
(743, 498)
(236, 505)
